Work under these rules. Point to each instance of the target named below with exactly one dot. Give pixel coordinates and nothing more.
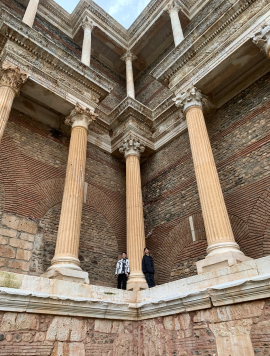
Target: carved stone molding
(262, 39)
(173, 6)
(131, 146)
(13, 77)
(80, 117)
(128, 56)
(191, 97)
(88, 24)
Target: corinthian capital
(173, 6)
(131, 146)
(262, 39)
(128, 55)
(87, 23)
(13, 77)
(80, 117)
(191, 97)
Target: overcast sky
(124, 11)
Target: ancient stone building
(113, 139)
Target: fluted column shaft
(70, 221)
(30, 13)
(10, 84)
(132, 148)
(128, 58)
(87, 26)
(216, 219)
(68, 237)
(135, 219)
(222, 249)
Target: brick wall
(202, 333)
(32, 174)
(240, 138)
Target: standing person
(148, 268)
(122, 271)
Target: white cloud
(118, 6)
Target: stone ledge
(27, 294)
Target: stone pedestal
(222, 250)
(65, 264)
(173, 9)
(128, 58)
(87, 26)
(10, 85)
(30, 13)
(132, 149)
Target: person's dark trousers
(122, 280)
(150, 280)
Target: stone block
(11, 221)
(23, 255)
(8, 232)
(25, 245)
(20, 321)
(66, 329)
(10, 280)
(3, 262)
(3, 240)
(66, 274)
(27, 226)
(68, 349)
(24, 266)
(7, 251)
(27, 237)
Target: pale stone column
(222, 250)
(128, 58)
(132, 148)
(87, 26)
(173, 9)
(65, 264)
(10, 85)
(30, 13)
(262, 40)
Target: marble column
(30, 13)
(10, 84)
(132, 149)
(173, 10)
(128, 58)
(262, 39)
(87, 26)
(65, 264)
(222, 250)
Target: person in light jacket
(148, 268)
(122, 272)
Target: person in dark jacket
(148, 268)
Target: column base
(67, 269)
(136, 282)
(221, 255)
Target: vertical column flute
(222, 249)
(132, 149)
(65, 264)
(10, 84)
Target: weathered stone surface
(14, 321)
(66, 329)
(21, 244)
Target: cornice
(46, 50)
(245, 282)
(211, 26)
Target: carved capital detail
(131, 146)
(262, 39)
(128, 56)
(173, 6)
(191, 97)
(13, 77)
(87, 23)
(80, 117)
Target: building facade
(114, 139)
